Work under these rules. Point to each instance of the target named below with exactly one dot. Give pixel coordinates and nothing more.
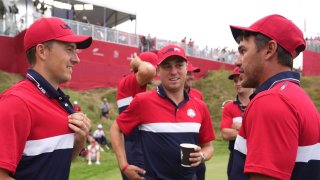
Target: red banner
(103, 64)
(311, 63)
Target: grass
(80, 170)
(215, 88)
(107, 170)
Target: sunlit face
(190, 78)
(173, 73)
(59, 61)
(250, 63)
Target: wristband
(124, 168)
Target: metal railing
(8, 28)
(222, 55)
(97, 32)
(103, 33)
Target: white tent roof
(112, 16)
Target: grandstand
(105, 62)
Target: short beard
(250, 82)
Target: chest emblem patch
(191, 113)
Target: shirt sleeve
(15, 127)
(272, 132)
(206, 133)
(201, 96)
(129, 118)
(127, 89)
(226, 120)
(129, 86)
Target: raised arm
(144, 70)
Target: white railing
(97, 32)
(103, 33)
(8, 28)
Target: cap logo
(170, 50)
(65, 26)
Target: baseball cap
(234, 73)
(149, 57)
(278, 28)
(45, 29)
(171, 50)
(99, 125)
(192, 68)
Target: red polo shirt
(195, 93)
(280, 134)
(34, 134)
(163, 127)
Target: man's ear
(41, 51)
(271, 49)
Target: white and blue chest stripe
(304, 154)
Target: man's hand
(135, 62)
(81, 125)
(197, 157)
(133, 172)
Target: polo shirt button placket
(177, 110)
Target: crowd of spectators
(147, 43)
(313, 44)
(218, 54)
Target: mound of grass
(8, 79)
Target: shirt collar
(283, 76)
(163, 94)
(188, 89)
(237, 101)
(239, 104)
(47, 89)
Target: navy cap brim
(238, 30)
(82, 42)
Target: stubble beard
(250, 82)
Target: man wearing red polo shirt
(166, 117)
(40, 132)
(232, 114)
(280, 133)
(144, 70)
